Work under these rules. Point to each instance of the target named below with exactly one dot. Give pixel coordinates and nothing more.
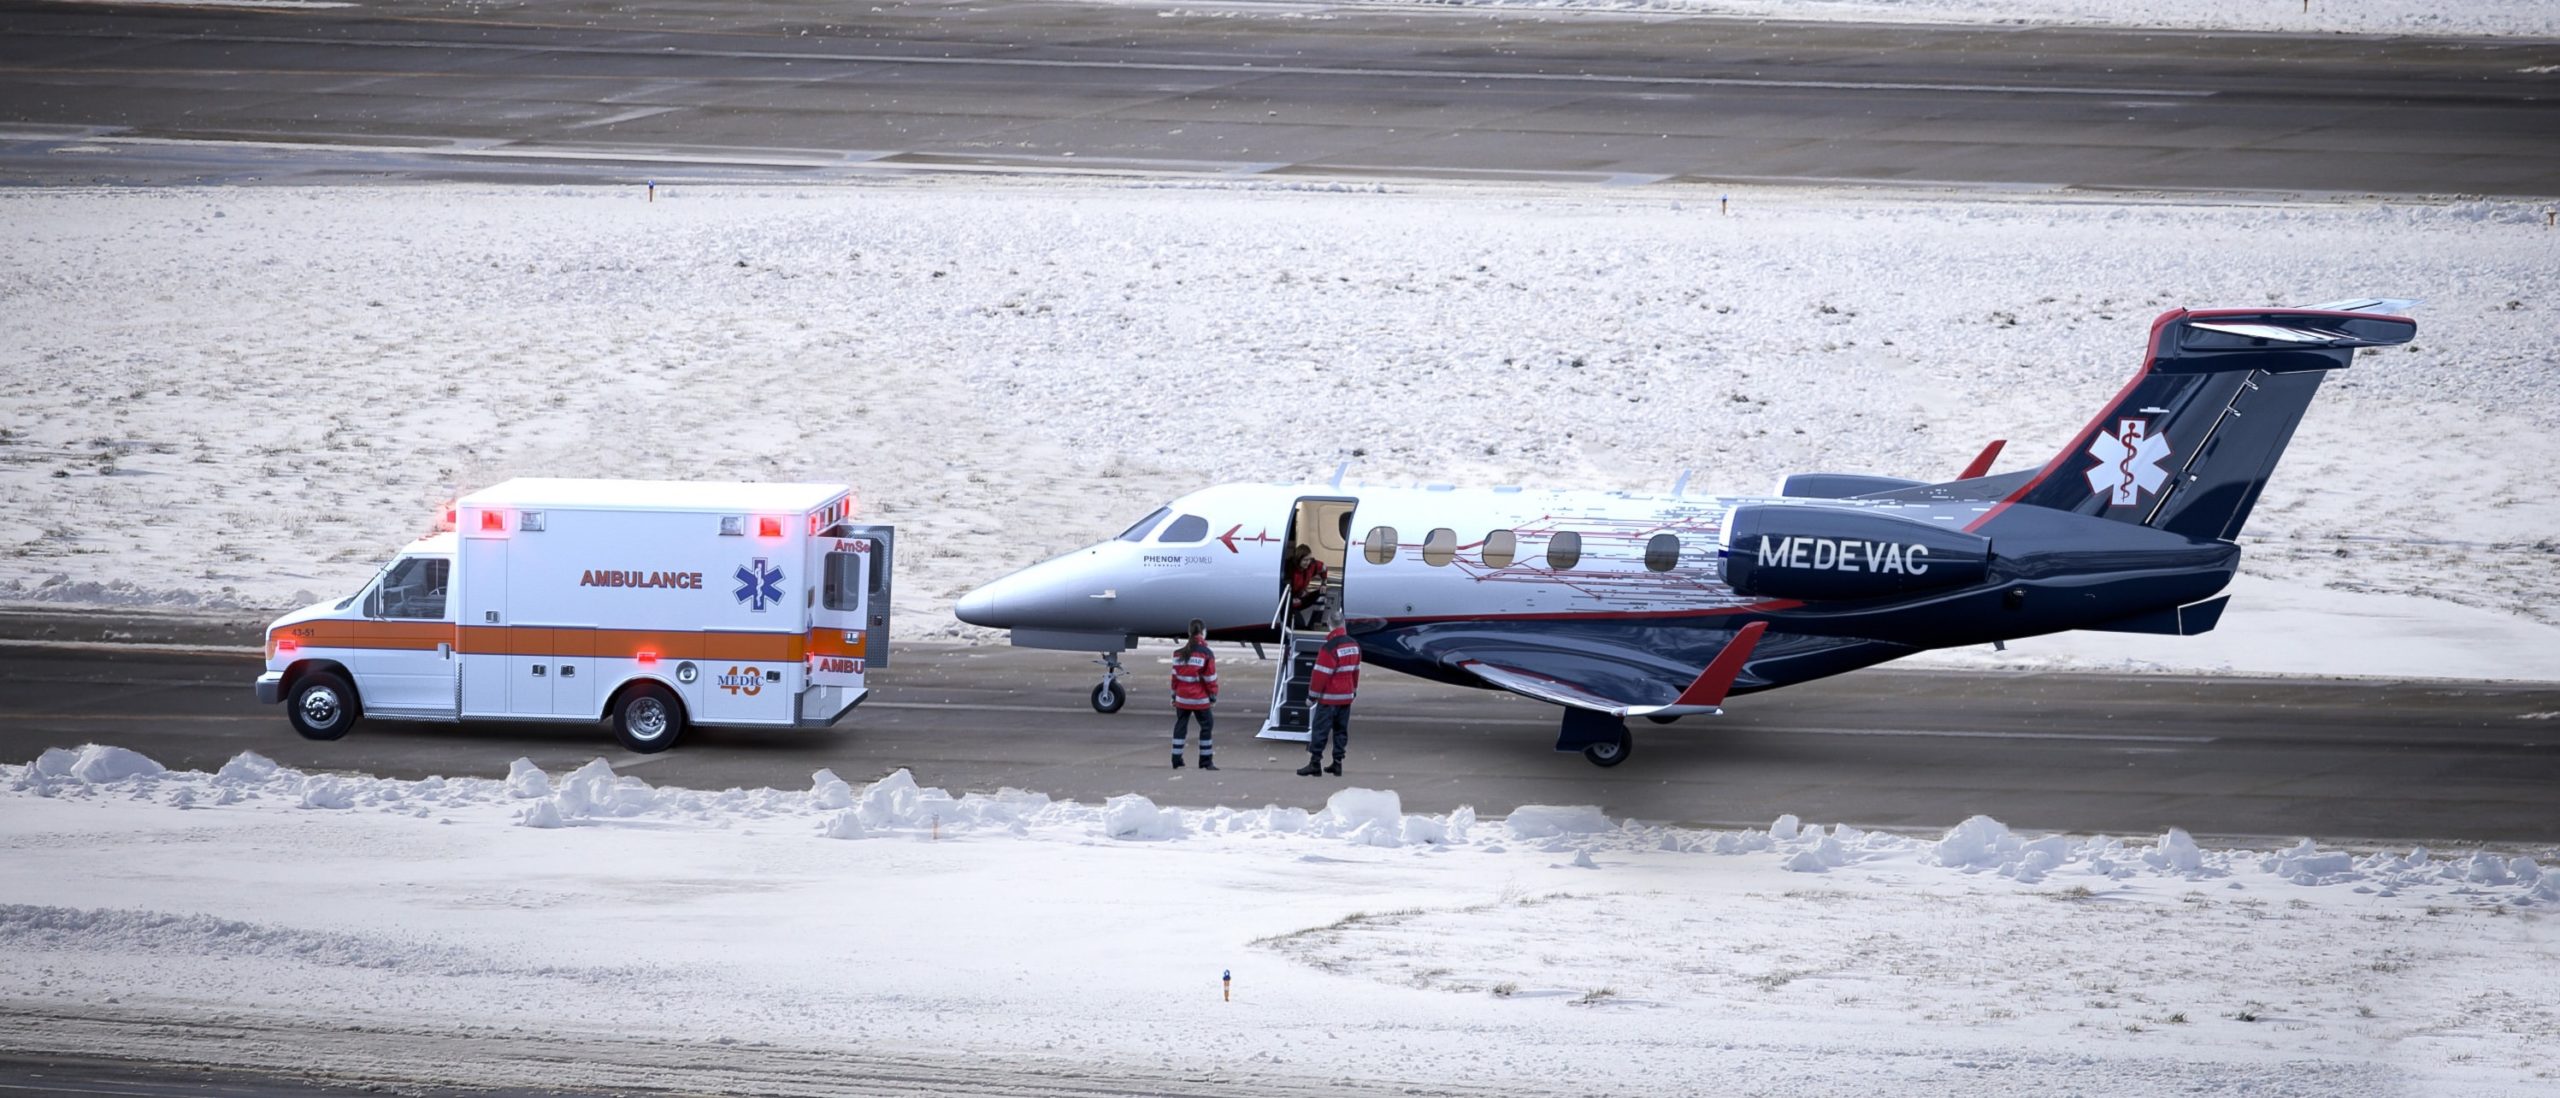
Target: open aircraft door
(1323, 525)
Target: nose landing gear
(1109, 697)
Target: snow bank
(1130, 816)
(895, 804)
(525, 779)
(1541, 821)
(90, 764)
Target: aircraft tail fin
(2189, 444)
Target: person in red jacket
(1329, 689)
(1195, 689)
(1307, 578)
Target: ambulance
(649, 605)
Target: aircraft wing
(1620, 688)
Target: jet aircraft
(1615, 605)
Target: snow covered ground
(587, 928)
(2521, 18)
(246, 398)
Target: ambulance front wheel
(1108, 698)
(322, 706)
(649, 719)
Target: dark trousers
(1182, 722)
(1328, 720)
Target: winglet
(1714, 682)
(1982, 461)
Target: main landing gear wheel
(1662, 718)
(1610, 754)
(1108, 698)
(649, 719)
(322, 706)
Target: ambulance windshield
(367, 585)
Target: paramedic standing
(1329, 689)
(1195, 689)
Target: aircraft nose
(1050, 595)
(984, 606)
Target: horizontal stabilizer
(2176, 621)
(1840, 485)
(1981, 465)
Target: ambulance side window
(844, 581)
(415, 588)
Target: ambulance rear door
(839, 621)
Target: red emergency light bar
(769, 527)
(492, 520)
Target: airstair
(1298, 648)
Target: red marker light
(769, 527)
(647, 659)
(491, 520)
(287, 644)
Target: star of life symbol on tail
(2128, 462)
(758, 584)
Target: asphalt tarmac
(676, 90)
(2338, 760)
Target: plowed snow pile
(249, 398)
(353, 922)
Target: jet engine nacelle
(1816, 553)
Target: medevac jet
(1615, 605)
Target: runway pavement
(2339, 760)
(761, 89)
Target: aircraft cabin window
(1139, 531)
(1439, 547)
(1662, 552)
(1380, 548)
(1564, 550)
(1501, 547)
(1185, 530)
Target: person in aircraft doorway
(1195, 689)
(1329, 689)
(1306, 576)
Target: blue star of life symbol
(758, 584)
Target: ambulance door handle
(537, 670)
(568, 671)
(444, 651)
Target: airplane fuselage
(1433, 577)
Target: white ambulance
(648, 604)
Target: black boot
(1335, 769)
(1311, 769)
(1177, 762)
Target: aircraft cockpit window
(1185, 530)
(1440, 547)
(1139, 531)
(1380, 548)
(1662, 552)
(1564, 550)
(1501, 547)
